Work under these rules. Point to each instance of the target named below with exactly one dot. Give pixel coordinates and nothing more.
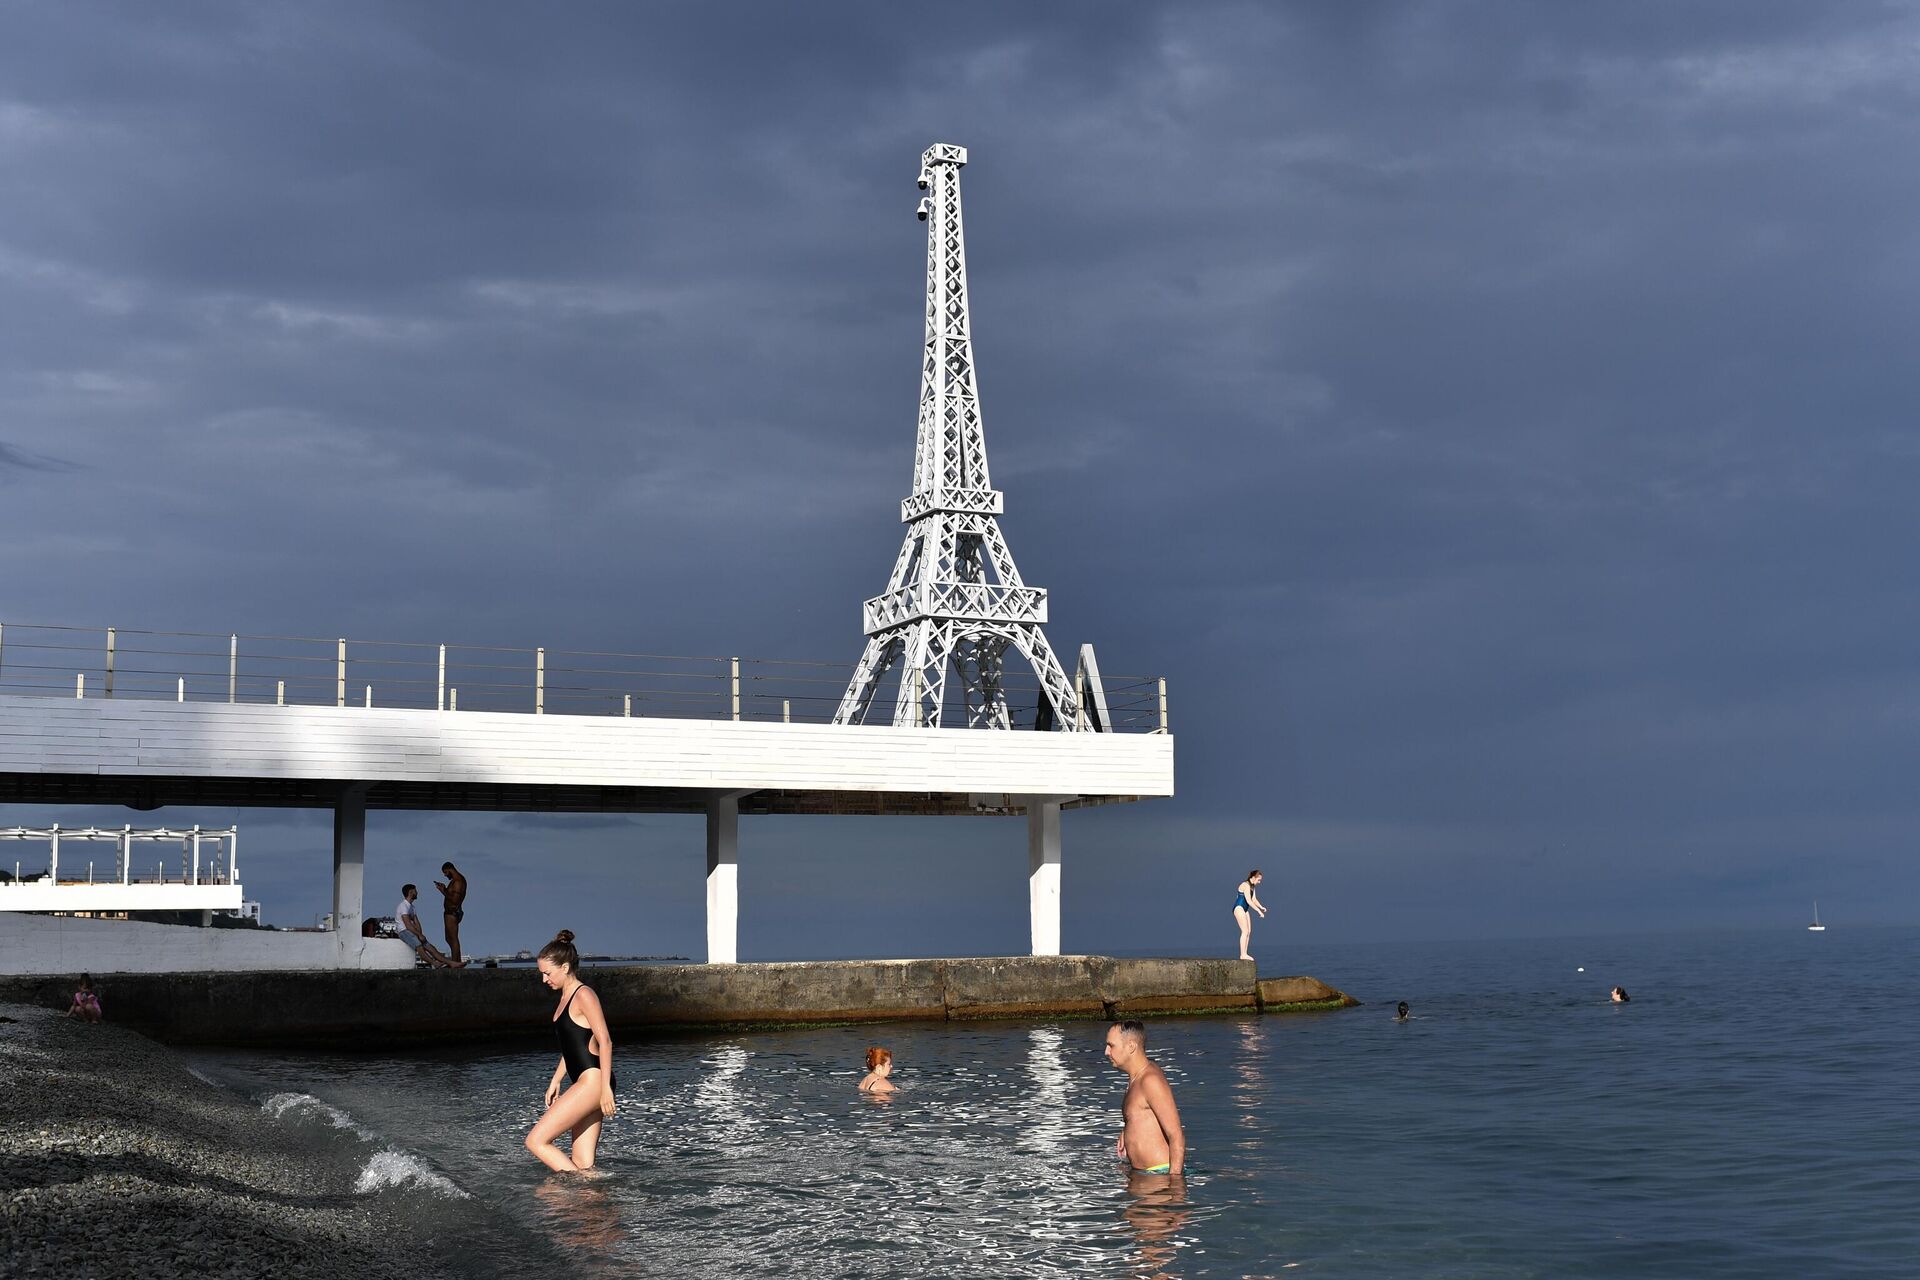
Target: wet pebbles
(116, 1161)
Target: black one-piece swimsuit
(574, 1042)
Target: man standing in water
(455, 893)
(1151, 1139)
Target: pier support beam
(349, 871)
(723, 876)
(1043, 873)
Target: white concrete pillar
(1043, 873)
(723, 877)
(349, 871)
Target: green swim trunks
(1159, 1168)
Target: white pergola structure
(206, 879)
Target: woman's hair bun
(565, 935)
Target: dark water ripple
(1754, 1112)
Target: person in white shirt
(407, 921)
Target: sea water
(1754, 1111)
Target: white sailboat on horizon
(1816, 926)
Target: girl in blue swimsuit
(1245, 902)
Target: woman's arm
(597, 1019)
(1253, 900)
(553, 1085)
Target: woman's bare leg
(586, 1138)
(1244, 918)
(569, 1109)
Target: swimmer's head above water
(879, 1067)
(1620, 995)
(1124, 1040)
(1402, 1013)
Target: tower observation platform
(149, 719)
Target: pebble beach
(116, 1160)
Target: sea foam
(391, 1168)
(281, 1105)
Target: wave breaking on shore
(117, 1159)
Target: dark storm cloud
(1496, 422)
(24, 461)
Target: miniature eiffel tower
(955, 600)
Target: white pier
(146, 753)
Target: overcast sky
(1497, 422)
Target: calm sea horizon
(1752, 1112)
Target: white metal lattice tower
(955, 600)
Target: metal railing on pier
(190, 666)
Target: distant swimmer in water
(586, 1063)
(1246, 901)
(1620, 995)
(1402, 1013)
(1151, 1139)
(879, 1067)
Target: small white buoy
(1581, 969)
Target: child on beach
(879, 1067)
(86, 1005)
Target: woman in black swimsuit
(586, 1063)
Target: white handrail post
(126, 854)
(440, 697)
(196, 853)
(736, 688)
(79, 684)
(453, 699)
(540, 681)
(233, 855)
(233, 667)
(786, 711)
(53, 858)
(280, 693)
(369, 697)
(626, 705)
(180, 691)
(340, 674)
(1163, 704)
(110, 646)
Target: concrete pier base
(371, 1009)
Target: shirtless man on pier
(1151, 1140)
(455, 893)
